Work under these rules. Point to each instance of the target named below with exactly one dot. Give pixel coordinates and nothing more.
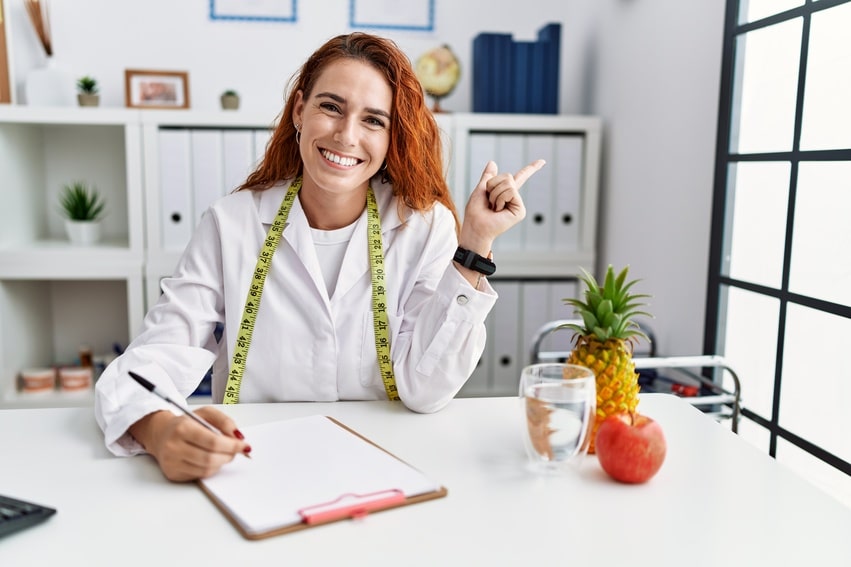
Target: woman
(364, 299)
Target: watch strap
(475, 262)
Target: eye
(330, 107)
(375, 122)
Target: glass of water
(559, 402)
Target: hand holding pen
(183, 450)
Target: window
(779, 304)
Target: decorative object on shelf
(517, 76)
(156, 89)
(49, 85)
(75, 378)
(5, 82)
(83, 207)
(87, 91)
(34, 380)
(230, 100)
(439, 72)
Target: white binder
(505, 356)
(538, 195)
(510, 157)
(482, 150)
(479, 384)
(261, 138)
(207, 170)
(537, 309)
(175, 188)
(239, 158)
(569, 174)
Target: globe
(438, 71)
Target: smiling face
(345, 128)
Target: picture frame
(254, 11)
(412, 15)
(146, 88)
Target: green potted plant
(83, 208)
(230, 100)
(87, 91)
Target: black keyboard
(17, 514)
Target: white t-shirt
(330, 249)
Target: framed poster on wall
(413, 15)
(5, 81)
(256, 10)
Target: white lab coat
(306, 346)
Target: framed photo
(156, 89)
(412, 15)
(254, 10)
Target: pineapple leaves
(607, 312)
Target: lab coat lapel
(356, 262)
(296, 233)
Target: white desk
(716, 501)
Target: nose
(346, 134)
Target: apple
(630, 447)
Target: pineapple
(605, 342)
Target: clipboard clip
(351, 506)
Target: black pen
(153, 389)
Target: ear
(298, 107)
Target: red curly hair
(414, 157)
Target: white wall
(650, 68)
(657, 70)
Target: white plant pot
(83, 233)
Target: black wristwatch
(475, 262)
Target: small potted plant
(87, 91)
(83, 207)
(230, 100)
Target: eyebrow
(341, 100)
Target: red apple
(630, 447)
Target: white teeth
(340, 160)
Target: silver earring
(298, 134)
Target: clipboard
(311, 471)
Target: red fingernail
(238, 434)
(247, 449)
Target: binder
(479, 383)
(523, 76)
(238, 156)
(261, 138)
(538, 195)
(482, 71)
(207, 170)
(506, 354)
(537, 310)
(549, 37)
(569, 176)
(481, 149)
(175, 188)
(311, 471)
(510, 157)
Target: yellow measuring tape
(261, 270)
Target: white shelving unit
(55, 296)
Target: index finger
(528, 171)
